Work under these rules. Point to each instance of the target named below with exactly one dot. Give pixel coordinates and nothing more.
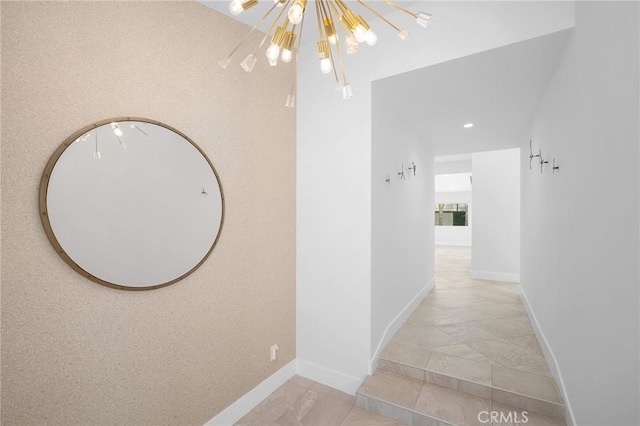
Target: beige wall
(75, 352)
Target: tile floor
(468, 347)
(301, 401)
(473, 330)
(472, 343)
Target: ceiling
(498, 90)
(458, 158)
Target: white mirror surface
(132, 203)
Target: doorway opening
(477, 206)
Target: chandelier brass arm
(330, 14)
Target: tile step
(417, 402)
(519, 400)
(396, 412)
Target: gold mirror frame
(44, 214)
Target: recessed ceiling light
(468, 125)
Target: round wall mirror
(131, 203)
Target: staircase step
(414, 401)
(523, 390)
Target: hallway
(467, 348)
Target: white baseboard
(495, 276)
(335, 379)
(397, 322)
(242, 406)
(551, 359)
(453, 243)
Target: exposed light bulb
(235, 7)
(423, 19)
(272, 54)
(359, 32)
(249, 62)
(403, 34)
(325, 65)
(116, 129)
(295, 13)
(352, 44)
(347, 93)
(371, 38)
(291, 101)
(286, 55)
(330, 30)
(224, 63)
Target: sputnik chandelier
(331, 14)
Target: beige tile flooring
(473, 330)
(467, 348)
(301, 401)
(473, 338)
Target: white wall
(454, 235)
(580, 226)
(452, 167)
(453, 197)
(334, 168)
(402, 236)
(496, 215)
(333, 237)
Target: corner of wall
(233, 413)
(398, 321)
(327, 376)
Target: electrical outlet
(275, 351)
